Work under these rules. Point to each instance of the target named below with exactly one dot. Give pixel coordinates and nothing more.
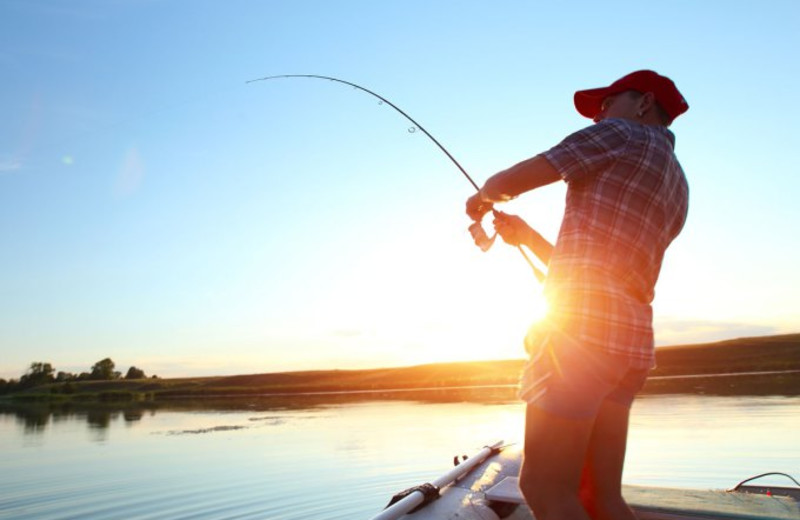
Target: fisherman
(627, 199)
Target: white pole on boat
(406, 504)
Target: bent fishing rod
(478, 234)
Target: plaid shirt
(627, 199)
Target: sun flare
(410, 311)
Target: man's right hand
(512, 229)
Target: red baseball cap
(589, 102)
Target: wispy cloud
(13, 161)
(9, 165)
(130, 175)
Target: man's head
(643, 96)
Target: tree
(6, 387)
(39, 373)
(63, 377)
(103, 370)
(135, 373)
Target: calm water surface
(336, 457)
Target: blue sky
(157, 209)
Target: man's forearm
(524, 176)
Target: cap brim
(588, 103)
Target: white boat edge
(488, 491)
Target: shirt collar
(666, 132)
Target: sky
(158, 209)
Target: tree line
(40, 373)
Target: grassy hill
(687, 368)
(768, 353)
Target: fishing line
(539, 274)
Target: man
(627, 199)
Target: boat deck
(679, 504)
(490, 491)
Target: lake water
(329, 457)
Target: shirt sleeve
(591, 150)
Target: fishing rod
(478, 233)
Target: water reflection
(34, 421)
(133, 415)
(36, 416)
(300, 457)
(100, 419)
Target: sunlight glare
(416, 310)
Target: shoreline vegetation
(768, 365)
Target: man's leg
(601, 483)
(554, 457)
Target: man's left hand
(477, 207)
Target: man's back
(627, 200)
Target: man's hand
(477, 208)
(512, 229)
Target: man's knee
(543, 489)
(533, 486)
(549, 498)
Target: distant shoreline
(768, 365)
(653, 379)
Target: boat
(484, 486)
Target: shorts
(567, 379)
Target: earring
(640, 113)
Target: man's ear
(646, 102)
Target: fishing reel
(480, 237)
(485, 242)
(479, 234)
